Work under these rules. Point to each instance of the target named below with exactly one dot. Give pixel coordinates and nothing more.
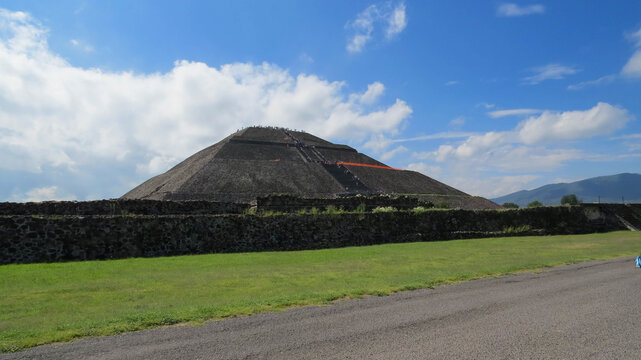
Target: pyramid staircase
(630, 216)
(350, 182)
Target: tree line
(570, 199)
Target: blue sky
(488, 96)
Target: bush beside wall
(289, 203)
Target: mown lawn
(44, 303)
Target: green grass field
(44, 303)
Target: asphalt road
(584, 311)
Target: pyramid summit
(260, 161)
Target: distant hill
(610, 189)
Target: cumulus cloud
(55, 114)
(43, 194)
(391, 20)
(512, 10)
(390, 154)
(512, 112)
(423, 168)
(522, 148)
(470, 181)
(494, 186)
(549, 72)
(374, 91)
(501, 156)
(602, 119)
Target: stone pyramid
(260, 161)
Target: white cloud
(374, 17)
(513, 112)
(602, 119)
(481, 154)
(474, 144)
(428, 170)
(521, 149)
(469, 180)
(358, 42)
(631, 141)
(374, 91)
(633, 67)
(453, 82)
(485, 105)
(43, 194)
(511, 10)
(635, 37)
(549, 72)
(457, 122)
(55, 114)
(492, 187)
(495, 186)
(565, 180)
(612, 157)
(81, 45)
(629, 136)
(390, 154)
(607, 79)
(305, 58)
(396, 21)
(379, 143)
(363, 27)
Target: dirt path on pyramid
(588, 310)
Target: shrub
(510, 205)
(516, 229)
(361, 208)
(425, 204)
(384, 209)
(332, 210)
(570, 199)
(534, 204)
(419, 210)
(442, 205)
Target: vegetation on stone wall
(510, 205)
(570, 199)
(534, 204)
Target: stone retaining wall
(288, 203)
(33, 238)
(121, 207)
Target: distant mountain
(610, 189)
